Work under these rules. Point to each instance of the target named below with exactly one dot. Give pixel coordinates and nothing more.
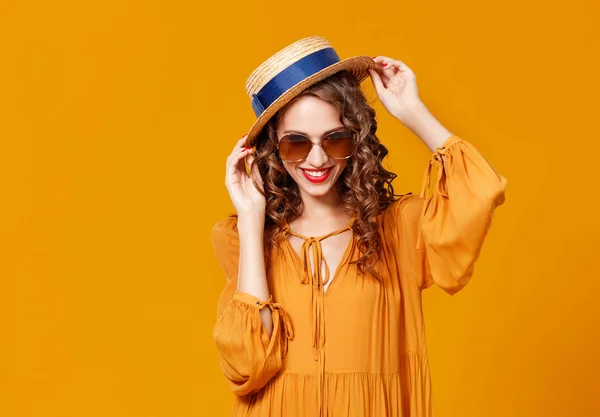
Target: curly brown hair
(366, 186)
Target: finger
(385, 72)
(232, 168)
(255, 173)
(234, 156)
(376, 79)
(239, 144)
(237, 153)
(400, 65)
(233, 163)
(382, 59)
(387, 63)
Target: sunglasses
(295, 147)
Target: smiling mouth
(317, 173)
(318, 176)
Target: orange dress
(357, 349)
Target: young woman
(321, 312)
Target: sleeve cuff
(249, 299)
(450, 141)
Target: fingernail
(385, 65)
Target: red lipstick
(322, 178)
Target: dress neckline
(286, 229)
(314, 242)
(312, 277)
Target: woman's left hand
(396, 86)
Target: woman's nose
(317, 156)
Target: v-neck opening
(343, 261)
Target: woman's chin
(317, 192)
(316, 189)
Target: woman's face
(315, 119)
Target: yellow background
(116, 120)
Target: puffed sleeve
(249, 357)
(447, 228)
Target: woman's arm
(249, 356)
(422, 123)
(251, 339)
(252, 278)
(456, 215)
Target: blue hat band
(292, 75)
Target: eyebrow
(335, 129)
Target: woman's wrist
(251, 222)
(251, 229)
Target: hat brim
(357, 65)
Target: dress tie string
(278, 309)
(313, 277)
(436, 160)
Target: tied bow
(282, 316)
(436, 160)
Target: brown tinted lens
(339, 145)
(294, 147)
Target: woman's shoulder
(399, 225)
(406, 207)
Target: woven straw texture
(357, 65)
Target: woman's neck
(316, 209)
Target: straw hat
(290, 71)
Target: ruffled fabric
(405, 393)
(456, 217)
(249, 358)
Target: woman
(322, 241)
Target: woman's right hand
(244, 195)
